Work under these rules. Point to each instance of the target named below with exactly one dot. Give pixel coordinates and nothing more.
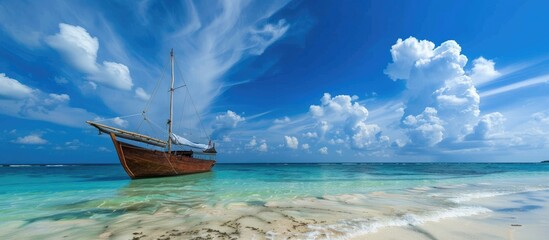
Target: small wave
(359, 227)
(465, 197)
(56, 165)
(19, 165)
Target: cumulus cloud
(79, 48)
(305, 146)
(425, 128)
(11, 88)
(323, 150)
(228, 120)
(337, 109)
(483, 71)
(442, 103)
(310, 135)
(31, 139)
(252, 143)
(488, 126)
(263, 147)
(365, 134)
(343, 115)
(405, 53)
(225, 122)
(291, 142)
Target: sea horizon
(285, 163)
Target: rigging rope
(155, 90)
(192, 102)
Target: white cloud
(285, 119)
(442, 99)
(337, 141)
(424, 129)
(79, 48)
(56, 99)
(252, 143)
(405, 54)
(141, 94)
(31, 139)
(120, 122)
(305, 146)
(540, 117)
(323, 150)
(310, 135)
(488, 126)
(225, 122)
(263, 147)
(229, 119)
(75, 144)
(77, 45)
(483, 71)
(226, 139)
(115, 75)
(342, 115)
(517, 85)
(213, 42)
(291, 142)
(263, 37)
(12, 88)
(46, 107)
(337, 109)
(365, 134)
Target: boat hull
(146, 163)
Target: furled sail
(128, 135)
(178, 140)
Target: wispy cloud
(31, 139)
(42, 106)
(515, 86)
(12, 88)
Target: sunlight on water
(265, 201)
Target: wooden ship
(147, 162)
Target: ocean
(278, 201)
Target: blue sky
(284, 81)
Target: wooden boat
(145, 162)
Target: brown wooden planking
(143, 163)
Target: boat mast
(171, 107)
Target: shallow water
(277, 201)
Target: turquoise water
(77, 200)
